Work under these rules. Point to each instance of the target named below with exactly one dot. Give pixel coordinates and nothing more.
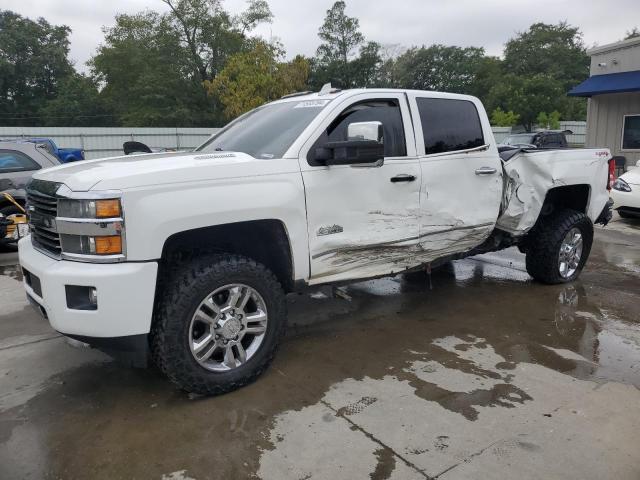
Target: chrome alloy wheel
(228, 327)
(570, 253)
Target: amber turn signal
(108, 208)
(111, 245)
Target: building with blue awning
(613, 92)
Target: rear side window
(449, 125)
(12, 161)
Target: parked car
(541, 139)
(626, 193)
(190, 255)
(18, 161)
(65, 155)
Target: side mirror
(372, 131)
(365, 145)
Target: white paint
(377, 227)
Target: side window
(12, 161)
(449, 125)
(631, 133)
(385, 111)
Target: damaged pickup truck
(188, 256)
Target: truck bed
(530, 174)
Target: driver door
(363, 218)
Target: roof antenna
(326, 88)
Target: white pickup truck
(188, 256)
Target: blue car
(65, 155)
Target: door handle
(485, 171)
(403, 177)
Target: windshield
(519, 139)
(266, 132)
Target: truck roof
(333, 93)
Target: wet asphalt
(477, 373)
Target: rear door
(363, 220)
(461, 173)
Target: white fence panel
(100, 142)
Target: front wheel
(558, 247)
(218, 323)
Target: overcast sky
(483, 23)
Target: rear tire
(551, 242)
(183, 294)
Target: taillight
(612, 173)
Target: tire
(184, 291)
(544, 242)
(624, 214)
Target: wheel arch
(573, 197)
(265, 241)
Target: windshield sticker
(311, 104)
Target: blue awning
(610, 83)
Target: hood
(121, 173)
(632, 177)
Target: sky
(486, 23)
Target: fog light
(93, 297)
(81, 297)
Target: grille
(42, 207)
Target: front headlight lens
(91, 228)
(621, 185)
(107, 208)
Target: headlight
(621, 185)
(91, 229)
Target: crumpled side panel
(528, 177)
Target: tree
(77, 104)
(527, 96)
(438, 67)
(209, 34)
(340, 34)
(633, 33)
(550, 121)
(500, 118)
(146, 76)
(335, 59)
(255, 77)
(33, 63)
(557, 51)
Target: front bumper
(125, 293)
(627, 199)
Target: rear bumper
(125, 294)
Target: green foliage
(500, 118)
(340, 35)
(148, 78)
(77, 104)
(539, 67)
(255, 77)
(550, 121)
(336, 60)
(556, 51)
(33, 63)
(438, 67)
(197, 65)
